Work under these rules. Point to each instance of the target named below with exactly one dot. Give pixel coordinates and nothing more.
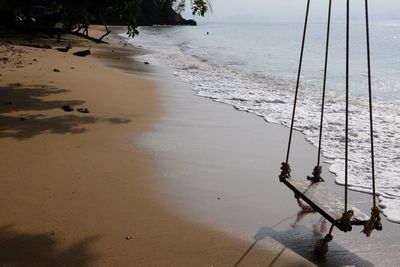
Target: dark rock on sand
(65, 49)
(67, 108)
(83, 110)
(56, 70)
(82, 53)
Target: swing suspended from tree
(335, 209)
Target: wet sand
(220, 167)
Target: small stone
(22, 119)
(52, 233)
(219, 198)
(82, 53)
(128, 237)
(56, 70)
(146, 63)
(72, 68)
(67, 108)
(83, 110)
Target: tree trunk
(108, 31)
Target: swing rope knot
(316, 178)
(285, 172)
(373, 223)
(321, 247)
(345, 220)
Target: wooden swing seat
(325, 202)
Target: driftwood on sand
(65, 49)
(82, 53)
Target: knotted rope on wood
(285, 171)
(373, 223)
(345, 220)
(316, 178)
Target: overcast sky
(379, 9)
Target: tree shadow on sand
(19, 98)
(16, 97)
(19, 249)
(33, 125)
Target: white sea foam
(271, 97)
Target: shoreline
(74, 191)
(214, 159)
(226, 75)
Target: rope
(370, 102)
(373, 223)
(298, 80)
(321, 247)
(345, 220)
(316, 178)
(285, 172)
(328, 31)
(347, 104)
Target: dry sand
(74, 191)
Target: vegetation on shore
(75, 16)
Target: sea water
(253, 65)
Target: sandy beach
(75, 190)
